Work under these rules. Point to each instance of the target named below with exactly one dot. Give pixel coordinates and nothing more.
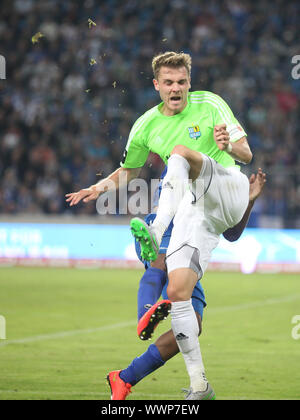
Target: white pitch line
(64, 334)
(257, 304)
(216, 310)
(12, 391)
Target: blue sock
(142, 366)
(151, 285)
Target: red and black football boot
(152, 318)
(119, 389)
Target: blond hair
(171, 59)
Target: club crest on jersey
(194, 132)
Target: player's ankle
(198, 381)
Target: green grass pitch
(67, 328)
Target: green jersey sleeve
(137, 152)
(223, 114)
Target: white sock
(185, 328)
(174, 186)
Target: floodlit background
(73, 91)
(78, 74)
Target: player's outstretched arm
(114, 181)
(238, 150)
(257, 182)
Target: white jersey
(203, 216)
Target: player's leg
(152, 282)
(151, 285)
(155, 276)
(184, 271)
(167, 344)
(185, 325)
(183, 164)
(195, 235)
(159, 310)
(154, 357)
(152, 311)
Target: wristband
(229, 148)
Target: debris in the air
(36, 37)
(91, 23)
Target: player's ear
(156, 86)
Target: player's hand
(257, 182)
(86, 194)
(221, 136)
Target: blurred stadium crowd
(69, 100)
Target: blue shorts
(198, 297)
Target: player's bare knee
(194, 158)
(181, 150)
(176, 295)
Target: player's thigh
(184, 271)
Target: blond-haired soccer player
(198, 137)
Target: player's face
(173, 85)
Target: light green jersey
(193, 128)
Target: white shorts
(206, 212)
(185, 257)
